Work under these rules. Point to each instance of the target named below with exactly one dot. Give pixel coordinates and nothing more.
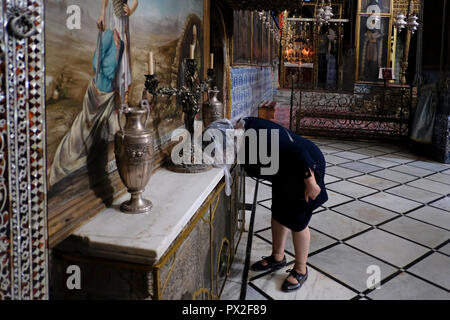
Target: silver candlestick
(189, 96)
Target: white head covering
(225, 127)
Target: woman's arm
(130, 10)
(101, 19)
(312, 189)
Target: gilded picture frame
(373, 40)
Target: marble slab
(253, 295)
(443, 204)
(332, 159)
(411, 170)
(433, 186)
(440, 177)
(351, 189)
(349, 265)
(336, 225)
(329, 150)
(408, 287)
(394, 176)
(392, 202)
(343, 146)
(397, 158)
(249, 190)
(375, 182)
(231, 291)
(434, 268)
(317, 287)
(365, 212)
(434, 216)
(266, 203)
(445, 249)
(380, 162)
(263, 217)
(415, 194)
(417, 231)
(144, 238)
(430, 165)
(360, 166)
(264, 192)
(351, 155)
(330, 179)
(369, 152)
(388, 247)
(361, 144)
(335, 198)
(342, 172)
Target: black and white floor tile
(388, 209)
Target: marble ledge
(144, 238)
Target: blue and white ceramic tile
(250, 87)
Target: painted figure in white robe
(96, 123)
(120, 22)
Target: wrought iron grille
(366, 113)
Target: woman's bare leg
(279, 235)
(301, 246)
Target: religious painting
(374, 43)
(328, 57)
(242, 37)
(91, 70)
(97, 56)
(375, 6)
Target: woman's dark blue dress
(296, 156)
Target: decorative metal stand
(189, 96)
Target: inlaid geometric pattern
(23, 216)
(395, 216)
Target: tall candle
(191, 56)
(150, 63)
(211, 62)
(194, 33)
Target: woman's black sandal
(301, 278)
(271, 264)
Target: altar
(300, 73)
(182, 249)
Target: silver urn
(213, 110)
(133, 151)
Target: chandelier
(324, 12)
(409, 22)
(268, 22)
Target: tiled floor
(388, 215)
